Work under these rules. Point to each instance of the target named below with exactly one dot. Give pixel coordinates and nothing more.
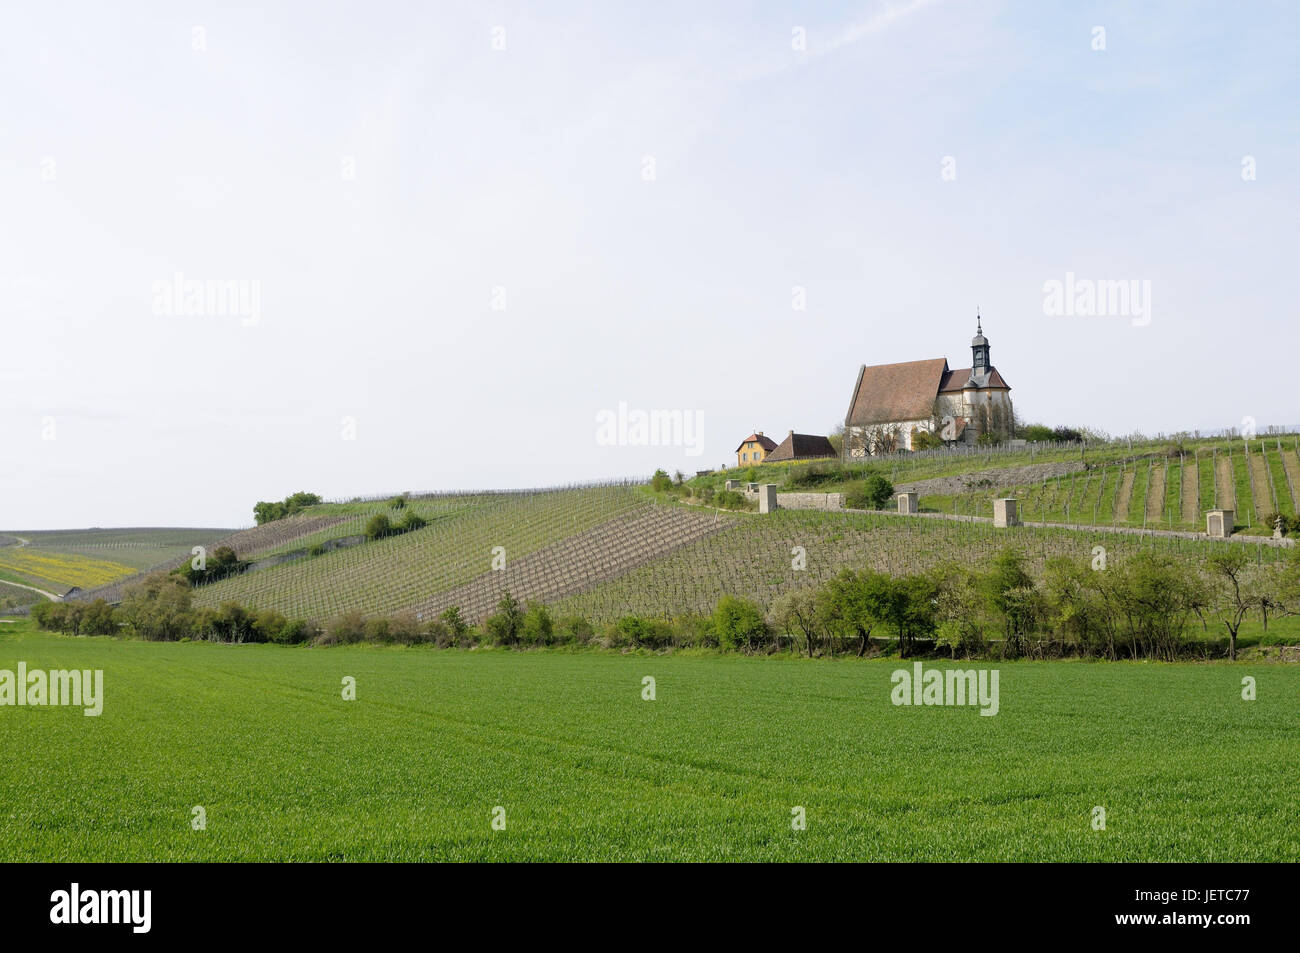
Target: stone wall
(990, 479)
(810, 501)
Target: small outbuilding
(802, 446)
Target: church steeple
(979, 348)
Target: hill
(607, 551)
(41, 563)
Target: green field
(586, 770)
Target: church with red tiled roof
(894, 404)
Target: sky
(378, 247)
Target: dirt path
(1156, 493)
(1291, 462)
(1223, 482)
(22, 585)
(1123, 495)
(1260, 485)
(1191, 493)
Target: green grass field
(260, 737)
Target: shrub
(405, 629)
(411, 521)
(661, 482)
(344, 629)
(573, 629)
(643, 632)
(730, 499)
(296, 632)
(873, 493)
(503, 625)
(812, 475)
(536, 627)
(451, 627)
(925, 439)
(439, 633)
(378, 526)
(739, 624)
(377, 629)
(98, 619)
(268, 626)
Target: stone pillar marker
(767, 498)
(909, 503)
(1004, 512)
(1219, 523)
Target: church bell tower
(979, 349)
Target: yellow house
(753, 449)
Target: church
(915, 404)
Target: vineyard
(604, 551)
(1255, 479)
(758, 556)
(459, 544)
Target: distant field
(135, 548)
(586, 770)
(57, 571)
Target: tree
(957, 610)
(457, 627)
(856, 602)
(925, 440)
(1007, 574)
(378, 526)
(909, 604)
(266, 512)
(158, 606)
(661, 482)
(1228, 569)
(795, 613)
(1156, 595)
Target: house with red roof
(754, 449)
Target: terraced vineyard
(1173, 493)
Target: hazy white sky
(470, 228)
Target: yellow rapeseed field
(70, 569)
